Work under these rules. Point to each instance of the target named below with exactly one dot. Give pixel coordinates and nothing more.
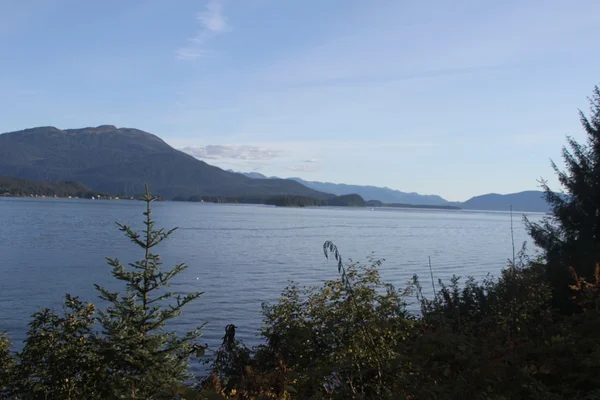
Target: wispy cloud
(232, 152)
(213, 23)
(212, 18)
(311, 161)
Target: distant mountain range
(121, 161)
(383, 194)
(528, 201)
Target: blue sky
(456, 98)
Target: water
(238, 255)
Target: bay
(238, 255)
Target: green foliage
(140, 355)
(472, 335)
(60, 358)
(352, 338)
(64, 357)
(347, 331)
(340, 340)
(570, 237)
(7, 363)
(509, 304)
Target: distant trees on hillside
(10, 186)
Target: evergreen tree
(7, 363)
(141, 357)
(570, 236)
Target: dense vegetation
(295, 201)
(122, 160)
(525, 335)
(347, 200)
(352, 200)
(10, 186)
(570, 236)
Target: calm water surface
(239, 256)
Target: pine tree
(141, 356)
(570, 236)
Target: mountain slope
(528, 201)
(383, 194)
(10, 186)
(122, 160)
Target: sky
(456, 98)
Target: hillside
(347, 200)
(122, 160)
(528, 201)
(10, 186)
(383, 194)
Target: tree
(140, 356)
(60, 358)
(7, 363)
(570, 236)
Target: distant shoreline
(31, 196)
(114, 198)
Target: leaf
(290, 389)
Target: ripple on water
(239, 256)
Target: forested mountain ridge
(122, 160)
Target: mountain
(121, 161)
(383, 194)
(253, 175)
(528, 201)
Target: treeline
(349, 200)
(10, 186)
(377, 203)
(352, 200)
(224, 199)
(532, 333)
(295, 201)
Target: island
(377, 203)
